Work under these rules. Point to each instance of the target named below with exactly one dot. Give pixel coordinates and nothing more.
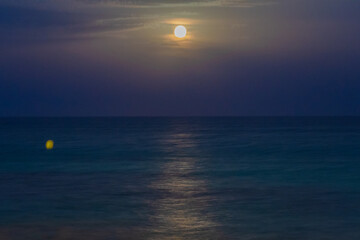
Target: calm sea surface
(180, 178)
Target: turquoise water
(180, 178)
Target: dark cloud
(24, 24)
(138, 3)
(34, 20)
(22, 17)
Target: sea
(180, 178)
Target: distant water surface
(180, 178)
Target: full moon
(180, 32)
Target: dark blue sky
(254, 57)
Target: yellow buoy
(49, 144)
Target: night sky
(121, 58)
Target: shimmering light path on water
(180, 178)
